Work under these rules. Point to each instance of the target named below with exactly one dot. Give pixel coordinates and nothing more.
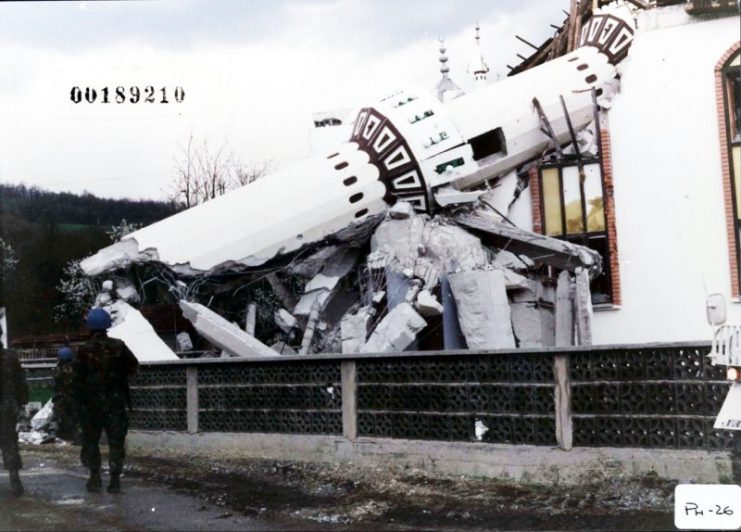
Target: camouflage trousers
(115, 424)
(9, 442)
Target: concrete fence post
(191, 398)
(564, 427)
(349, 400)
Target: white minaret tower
(477, 66)
(446, 89)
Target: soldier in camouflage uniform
(101, 372)
(13, 394)
(65, 415)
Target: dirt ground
(317, 496)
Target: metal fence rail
(659, 395)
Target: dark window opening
(591, 78)
(361, 213)
(340, 166)
(356, 197)
(440, 168)
(490, 143)
(333, 155)
(350, 181)
(328, 122)
(582, 67)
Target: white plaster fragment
(428, 305)
(396, 331)
(321, 287)
(222, 333)
(483, 309)
(285, 320)
(480, 429)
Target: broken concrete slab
(133, 329)
(308, 267)
(540, 248)
(483, 309)
(396, 331)
(222, 333)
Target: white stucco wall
(668, 186)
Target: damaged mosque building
(482, 220)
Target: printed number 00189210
(147, 94)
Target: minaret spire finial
(444, 69)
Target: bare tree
(202, 172)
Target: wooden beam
(527, 42)
(572, 134)
(573, 12)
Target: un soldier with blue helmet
(13, 394)
(101, 385)
(65, 415)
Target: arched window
(728, 90)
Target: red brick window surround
(727, 85)
(592, 230)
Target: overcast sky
(253, 73)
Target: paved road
(56, 499)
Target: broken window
(490, 143)
(732, 106)
(572, 208)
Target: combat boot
(115, 485)
(94, 484)
(15, 483)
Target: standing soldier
(101, 372)
(64, 403)
(13, 394)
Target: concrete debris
(35, 437)
(424, 248)
(507, 260)
(354, 329)
(285, 320)
(222, 333)
(42, 419)
(401, 210)
(378, 297)
(533, 324)
(309, 267)
(183, 342)
(427, 305)
(542, 249)
(483, 309)
(319, 290)
(452, 334)
(396, 331)
(126, 290)
(283, 348)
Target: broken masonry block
(396, 331)
(483, 309)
